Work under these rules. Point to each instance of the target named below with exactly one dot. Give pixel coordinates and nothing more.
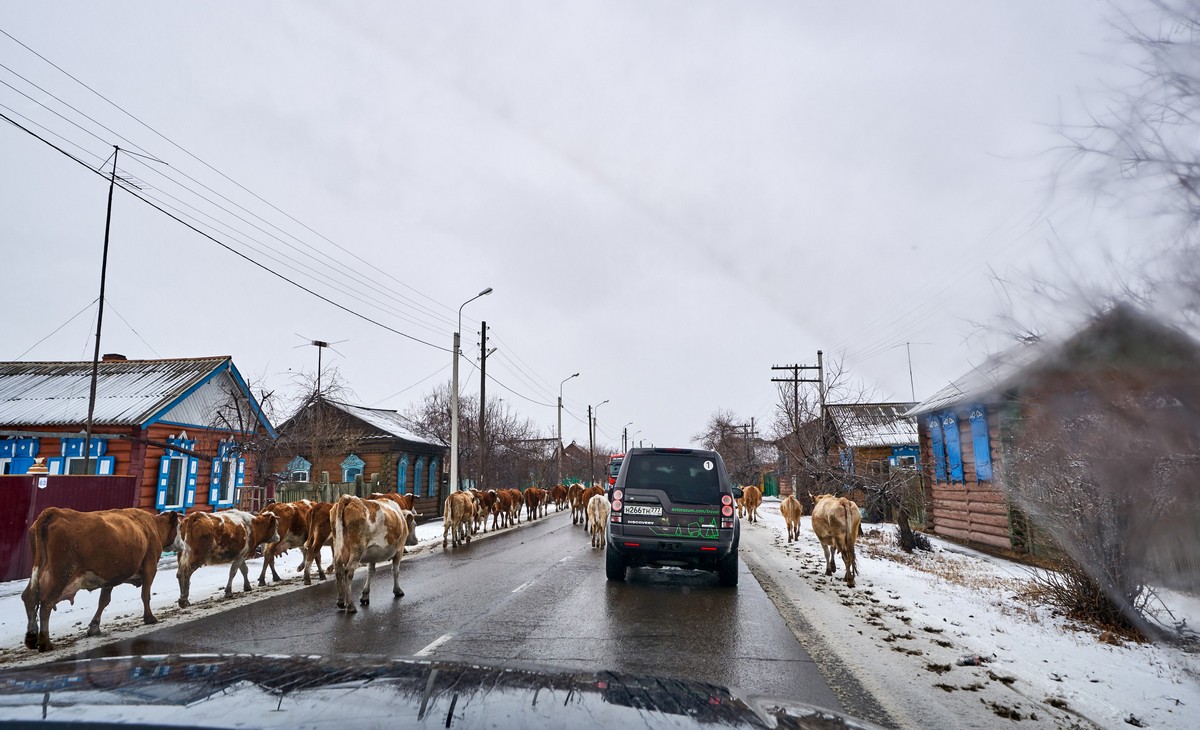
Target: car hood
(214, 690)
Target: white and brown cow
(792, 511)
(585, 499)
(320, 534)
(457, 515)
(534, 497)
(293, 532)
(597, 510)
(368, 531)
(231, 536)
(75, 551)
(835, 520)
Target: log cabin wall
(970, 509)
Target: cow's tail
(39, 536)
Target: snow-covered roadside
(122, 618)
(910, 619)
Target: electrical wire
(58, 328)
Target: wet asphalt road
(536, 595)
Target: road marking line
(522, 587)
(565, 559)
(435, 644)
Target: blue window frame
(402, 476)
(981, 444)
(298, 469)
(953, 447)
(937, 446)
(352, 466)
(16, 454)
(177, 474)
(227, 475)
(433, 475)
(418, 475)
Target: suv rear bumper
(681, 552)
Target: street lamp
(454, 396)
(560, 443)
(593, 419)
(631, 438)
(625, 436)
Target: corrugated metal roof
(128, 392)
(863, 425)
(389, 422)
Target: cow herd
(75, 551)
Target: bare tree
(317, 431)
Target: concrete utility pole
(454, 396)
(483, 356)
(560, 443)
(625, 437)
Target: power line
(131, 329)
(443, 317)
(56, 329)
(222, 244)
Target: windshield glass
(684, 477)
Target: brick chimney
(113, 357)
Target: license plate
(637, 509)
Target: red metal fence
(22, 499)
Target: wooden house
(1059, 398)
(327, 445)
(180, 428)
(181, 435)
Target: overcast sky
(667, 197)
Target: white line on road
(522, 587)
(435, 644)
(565, 559)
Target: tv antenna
(320, 345)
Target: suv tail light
(726, 499)
(727, 511)
(616, 505)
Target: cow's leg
(320, 570)
(268, 559)
(245, 575)
(396, 592)
(308, 556)
(184, 574)
(233, 567)
(830, 563)
(93, 628)
(445, 530)
(339, 575)
(149, 570)
(31, 599)
(276, 551)
(365, 598)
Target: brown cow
(370, 531)
(230, 536)
(293, 532)
(516, 499)
(502, 509)
(558, 495)
(75, 551)
(406, 501)
(320, 534)
(835, 520)
(584, 498)
(575, 499)
(534, 497)
(457, 516)
(792, 511)
(751, 500)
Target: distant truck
(614, 468)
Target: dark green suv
(673, 507)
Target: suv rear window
(684, 477)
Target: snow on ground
(123, 616)
(910, 618)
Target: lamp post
(454, 396)
(560, 443)
(625, 436)
(593, 418)
(631, 438)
